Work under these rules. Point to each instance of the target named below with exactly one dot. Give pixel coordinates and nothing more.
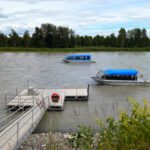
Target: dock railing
(12, 136)
(12, 94)
(21, 110)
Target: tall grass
(129, 132)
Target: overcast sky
(89, 17)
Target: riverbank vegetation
(130, 132)
(54, 37)
(76, 49)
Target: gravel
(47, 141)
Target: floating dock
(35, 102)
(29, 98)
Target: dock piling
(88, 91)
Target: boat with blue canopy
(120, 77)
(78, 58)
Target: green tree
(14, 39)
(26, 39)
(99, 40)
(144, 37)
(130, 38)
(88, 41)
(3, 40)
(63, 36)
(107, 41)
(122, 38)
(77, 40)
(72, 38)
(38, 38)
(113, 40)
(137, 37)
(49, 33)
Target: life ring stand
(55, 97)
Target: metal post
(18, 102)
(17, 133)
(18, 99)
(16, 91)
(6, 100)
(27, 84)
(88, 91)
(32, 117)
(33, 100)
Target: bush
(130, 132)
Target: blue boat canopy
(75, 55)
(128, 72)
(83, 57)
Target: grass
(76, 49)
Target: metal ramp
(15, 134)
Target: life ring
(55, 97)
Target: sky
(85, 17)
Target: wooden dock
(37, 101)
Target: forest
(52, 36)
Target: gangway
(35, 104)
(17, 132)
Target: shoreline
(77, 49)
(52, 140)
(44, 141)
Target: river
(46, 70)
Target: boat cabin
(86, 57)
(121, 74)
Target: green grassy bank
(77, 49)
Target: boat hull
(120, 82)
(78, 61)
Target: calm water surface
(46, 70)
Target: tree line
(51, 36)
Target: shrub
(129, 132)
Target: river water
(46, 70)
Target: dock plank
(82, 92)
(70, 92)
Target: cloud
(39, 1)
(84, 16)
(2, 16)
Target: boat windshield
(100, 73)
(119, 77)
